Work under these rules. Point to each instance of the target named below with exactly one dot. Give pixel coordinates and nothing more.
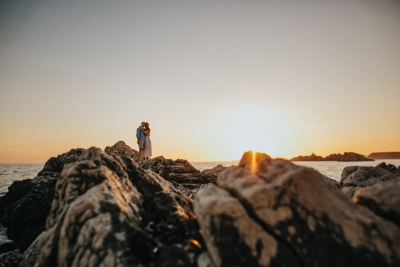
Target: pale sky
(213, 78)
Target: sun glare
(253, 165)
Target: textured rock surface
(357, 177)
(122, 149)
(108, 212)
(11, 258)
(309, 221)
(166, 167)
(383, 198)
(24, 208)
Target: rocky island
(90, 207)
(384, 155)
(347, 156)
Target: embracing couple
(143, 140)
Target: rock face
(384, 155)
(356, 177)
(122, 149)
(383, 198)
(347, 156)
(108, 212)
(24, 208)
(280, 214)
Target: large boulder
(109, 212)
(357, 177)
(122, 149)
(274, 213)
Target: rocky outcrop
(24, 208)
(312, 157)
(280, 214)
(347, 156)
(122, 149)
(384, 155)
(356, 177)
(167, 167)
(383, 198)
(108, 211)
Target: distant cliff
(384, 155)
(347, 156)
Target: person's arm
(147, 133)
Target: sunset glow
(213, 79)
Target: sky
(213, 78)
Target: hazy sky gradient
(213, 78)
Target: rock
(210, 175)
(312, 157)
(347, 156)
(383, 198)
(26, 206)
(11, 259)
(356, 177)
(287, 215)
(107, 211)
(56, 164)
(166, 167)
(122, 149)
(384, 155)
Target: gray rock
(355, 177)
(383, 198)
(306, 220)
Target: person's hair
(147, 125)
(143, 122)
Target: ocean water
(14, 172)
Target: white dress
(147, 147)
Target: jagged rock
(11, 259)
(357, 177)
(383, 198)
(122, 149)
(106, 211)
(56, 164)
(24, 208)
(167, 167)
(280, 214)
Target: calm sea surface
(14, 172)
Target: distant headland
(384, 155)
(347, 156)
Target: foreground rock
(24, 208)
(357, 177)
(107, 211)
(287, 215)
(347, 156)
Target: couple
(143, 140)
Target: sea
(332, 169)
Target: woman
(147, 145)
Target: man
(141, 139)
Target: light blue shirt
(140, 135)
